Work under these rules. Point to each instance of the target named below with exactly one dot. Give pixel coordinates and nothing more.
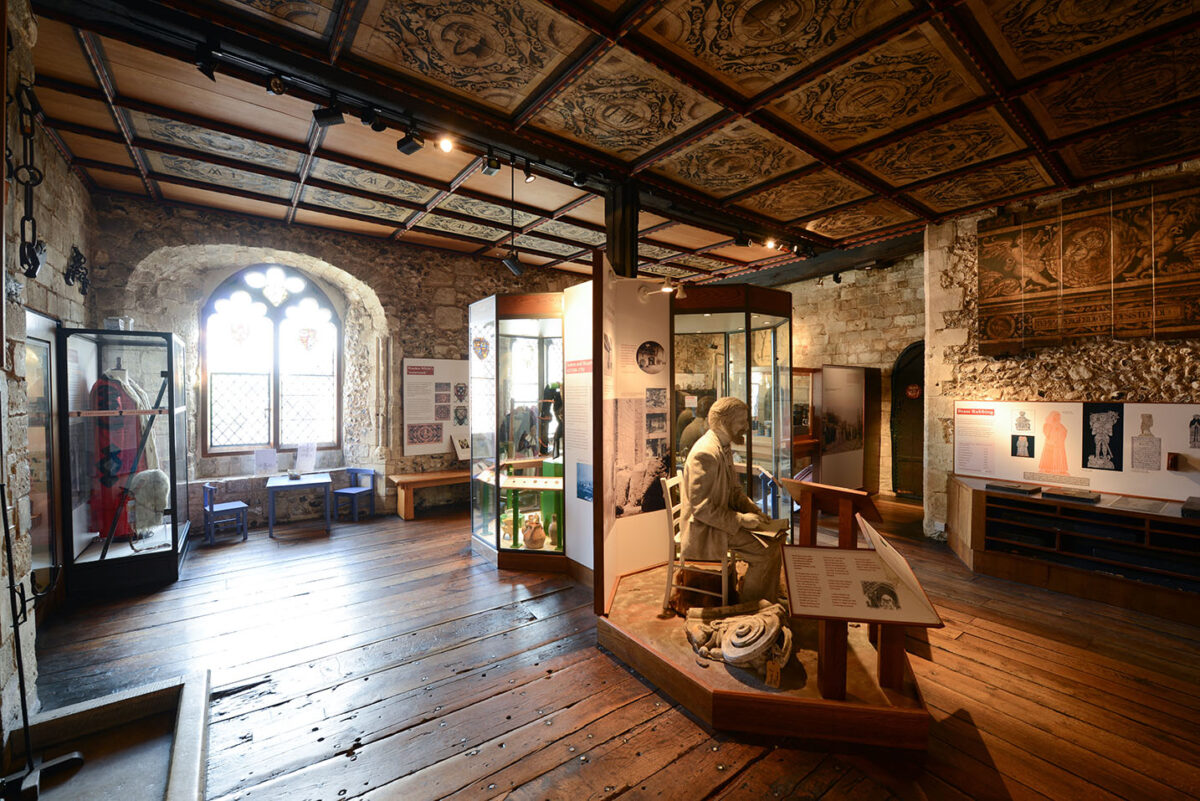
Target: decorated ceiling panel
(493, 52)
(1146, 142)
(952, 146)
(804, 196)
(1035, 35)
(367, 181)
(862, 219)
(666, 270)
(546, 245)
(369, 207)
(750, 45)
(1011, 179)
(485, 210)
(623, 106)
(308, 16)
(205, 140)
(906, 79)
(721, 163)
(217, 175)
(452, 225)
(569, 231)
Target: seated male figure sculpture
(716, 513)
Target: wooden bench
(408, 483)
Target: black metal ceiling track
(170, 31)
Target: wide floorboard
(387, 662)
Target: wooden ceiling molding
(1032, 36)
(805, 196)
(723, 162)
(623, 107)
(1145, 79)
(1018, 178)
(751, 45)
(962, 142)
(493, 52)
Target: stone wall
(160, 265)
(865, 321)
(64, 217)
(1133, 370)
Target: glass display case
(806, 422)
(736, 339)
(123, 458)
(517, 450)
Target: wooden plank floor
(386, 662)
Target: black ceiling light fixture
(276, 85)
(742, 239)
(579, 179)
(326, 116)
(512, 261)
(206, 60)
(373, 117)
(529, 176)
(491, 162)
(411, 142)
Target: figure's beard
(739, 438)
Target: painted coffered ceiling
(831, 125)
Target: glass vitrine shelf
(517, 506)
(735, 340)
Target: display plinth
(732, 699)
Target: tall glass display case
(736, 339)
(517, 450)
(123, 458)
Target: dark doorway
(908, 421)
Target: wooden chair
(672, 495)
(352, 493)
(223, 514)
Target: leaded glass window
(271, 343)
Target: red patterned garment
(116, 448)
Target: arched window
(270, 348)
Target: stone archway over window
(168, 288)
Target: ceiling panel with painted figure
(308, 16)
(1012, 179)
(374, 182)
(861, 219)
(369, 207)
(216, 175)
(565, 230)
(452, 225)
(493, 212)
(805, 196)
(216, 143)
(726, 161)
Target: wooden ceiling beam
(463, 175)
(316, 135)
(343, 28)
(592, 53)
(89, 43)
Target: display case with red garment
(123, 459)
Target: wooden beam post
(621, 207)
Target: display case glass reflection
(744, 354)
(517, 423)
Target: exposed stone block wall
(1130, 370)
(865, 321)
(396, 301)
(64, 215)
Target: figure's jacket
(711, 498)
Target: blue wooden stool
(223, 514)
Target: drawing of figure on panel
(1054, 453)
(1102, 430)
(1194, 432)
(1023, 446)
(1103, 450)
(1022, 423)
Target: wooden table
(277, 484)
(408, 483)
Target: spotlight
(770, 243)
(513, 263)
(205, 62)
(370, 116)
(579, 180)
(491, 163)
(742, 240)
(328, 115)
(680, 292)
(446, 144)
(411, 142)
(529, 176)
(276, 85)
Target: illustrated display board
(1125, 256)
(1105, 447)
(578, 372)
(436, 405)
(871, 586)
(843, 425)
(636, 379)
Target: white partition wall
(578, 383)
